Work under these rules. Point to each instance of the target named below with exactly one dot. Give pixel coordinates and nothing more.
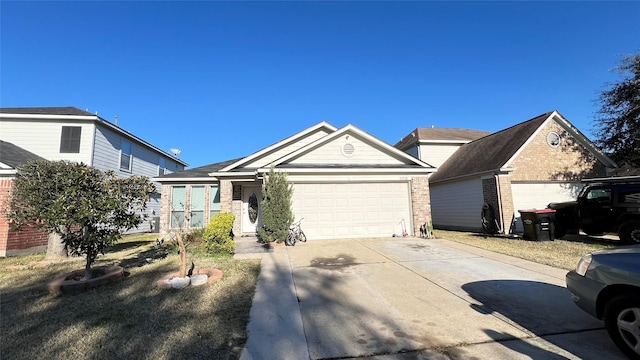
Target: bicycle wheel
(302, 237)
(291, 240)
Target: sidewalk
(275, 329)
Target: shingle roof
(450, 134)
(15, 156)
(199, 172)
(490, 152)
(67, 110)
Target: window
(125, 155)
(214, 201)
(70, 139)
(177, 206)
(197, 206)
(603, 194)
(161, 166)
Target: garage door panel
(539, 195)
(351, 209)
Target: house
(28, 239)
(68, 133)
(347, 184)
(435, 145)
(525, 166)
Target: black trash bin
(538, 224)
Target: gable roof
(489, 153)
(446, 135)
(496, 151)
(323, 125)
(64, 110)
(73, 113)
(356, 131)
(12, 156)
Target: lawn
(562, 253)
(128, 319)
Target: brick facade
(570, 161)
(420, 202)
(27, 240)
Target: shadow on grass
(129, 319)
(126, 245)
(608, 240)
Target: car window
(629, 194)
(599, 194)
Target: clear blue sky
(224, 79)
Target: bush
(218, 235)
(276, 207)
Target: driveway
(410, 298)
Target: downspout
(497, 178)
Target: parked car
(606, 284)
(603, 205)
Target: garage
(537, 195)
(457, 205)
(354, 210)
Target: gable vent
(348, 149)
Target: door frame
(246, 225)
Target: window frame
(177, 208)
(162, 168)
(129, 155)
(69, 141)
(193, 210)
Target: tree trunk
(183, 256)
(87, 268)
(56, 249)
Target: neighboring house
(28, 239)
(435, 145)
(347, 184)
(526, 166)
(68, 133)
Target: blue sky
(224, 79)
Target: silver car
(606, 284)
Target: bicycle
(295, 234)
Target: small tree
(89, 209)
(617, 123)
(277, 216)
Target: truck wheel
(630, 232)
(622, 319)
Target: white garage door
(457, 205)
(539, 195)
(352, 210)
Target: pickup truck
(603, 206)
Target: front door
(251, 209)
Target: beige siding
(437, 154)
(43, 138)
(363, 153)
(278, 153)
(457, 205)
(539, 195)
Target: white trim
(200, 179)
(354, 129)
(422, 142)
(350, 170)
(529, 140)
(279, 144)
(49, 116)
(8, 171)
(501, 171)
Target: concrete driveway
(409, 298)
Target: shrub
(277, 216)
(218, 235)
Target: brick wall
(570, 161)
(420, 202)
(28, 239)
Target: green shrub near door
(218, 235)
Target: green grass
(562, 253)
(128, 319)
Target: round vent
(553, 139)
(348, 149)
